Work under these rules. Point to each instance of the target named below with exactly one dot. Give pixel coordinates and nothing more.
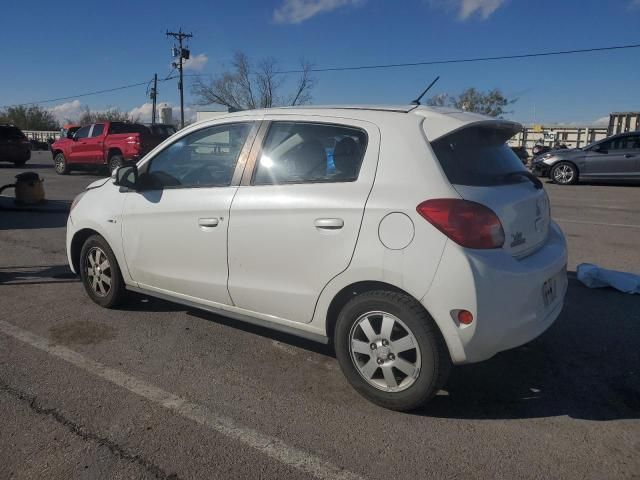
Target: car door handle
(208, 222)
(629, 155)
(329, 223)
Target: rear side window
(296, 152)
(478, 156)
(11, 133)
(122, 127)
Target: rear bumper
(504, 294)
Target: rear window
(118, 127)
(12, 133)
(478, 156)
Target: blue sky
(52, 50)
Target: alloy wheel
(59, 164)
(98, 271)
(384, 351)
(563, 174)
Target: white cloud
(196, 62)
(67, 111)
(143, 113)
(603, 121)
(467, 8)
(297, 11)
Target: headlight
(76, 200)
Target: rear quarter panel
(407, 174)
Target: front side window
(98, 128)
(83, 132)
(296, 152)
(205, 158)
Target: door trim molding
(223, 312)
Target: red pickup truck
(107, 143)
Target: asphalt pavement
(157, 390)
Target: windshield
(478, 156)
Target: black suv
(15, 147)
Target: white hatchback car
(410, 237)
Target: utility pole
(154, 95)
(182, 54)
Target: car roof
(438, 121)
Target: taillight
(469, 224)
(135, 141)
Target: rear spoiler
(437, 124)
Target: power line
(357, 67)
(463, 60)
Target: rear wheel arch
(350, 291)
(113, 151)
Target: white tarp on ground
(594, 276)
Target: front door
(78, 147)
(295, 221)
(615, 158)
(175, 226)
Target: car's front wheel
(390, 350)
(100, 273)
(60, 164)
(564, 173)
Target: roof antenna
(417, 100)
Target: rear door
(483, 169)
(296, 216)
(94, 144)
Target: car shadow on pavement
(586, 366)
(36, 275)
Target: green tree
(492, 102)
(111, 114)
(29, 118)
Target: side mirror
(73, 137)
(598, 148)
(126, 176)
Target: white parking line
(582, 222)
(265, 444)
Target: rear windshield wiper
(528, 175)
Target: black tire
(434, 364)
(20, 163)
(115, 161)
(564, 173)
(116, 293)
(60, 164)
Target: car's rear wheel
(564, 173)
(21, 162)
(390, 350)
(115, 161)
(100, 273)
(60, 164)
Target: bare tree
(245, 88)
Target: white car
(411, 238)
